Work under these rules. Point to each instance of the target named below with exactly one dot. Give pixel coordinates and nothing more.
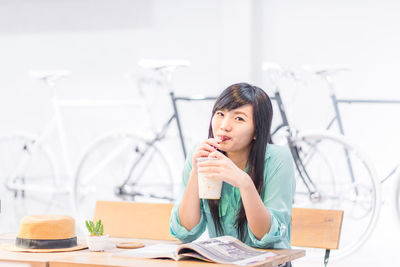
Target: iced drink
(208, 188)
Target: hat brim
(12, 247)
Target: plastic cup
(208, 188)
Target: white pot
(97, 243)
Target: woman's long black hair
(233, 97)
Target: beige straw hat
(46, 233)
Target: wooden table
(105, 259)
(34, 259)
(85, 258)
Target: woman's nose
(225, 125)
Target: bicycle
(326, 74)
(28, 168)
(331, 173)
(32, 179)
(133, 165)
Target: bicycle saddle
(327, 70)
(271, 66)
(276, 69)
(163, 64)
(48, 74)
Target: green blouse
(279, 187)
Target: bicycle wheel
(342, 180)
(27, 177)
(108, 163)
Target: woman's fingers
(210, 163)
(200, 154)
(217, 154)
(213, 142)
(208, 148)
(204, 149)
(210, 145)
(217, 159)
(208, 169)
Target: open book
(224, 249)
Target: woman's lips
(223, 138)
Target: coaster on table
(130, 245)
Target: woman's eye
(239, 118)
(220, 113)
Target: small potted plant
(96, 241)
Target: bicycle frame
(162, 133)
(300, 166)
(55, 124)
(337, 101)
(174, 100)
(311, 187)
(338, 118)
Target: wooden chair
(135, 220)
(316, 228)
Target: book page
(227, 249)
(152, 251)
(193, 254)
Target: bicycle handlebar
(126, 190)
(163, 65)
(275, 71)
(49, 76)
(195, 98)
(325, 70)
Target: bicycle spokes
(27, 177)
(321, 161)
(121, 167)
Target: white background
(226, 42)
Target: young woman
(258, 177)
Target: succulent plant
(95, 228)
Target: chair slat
(316, 228)
(135, 220)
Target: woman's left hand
(224, 169)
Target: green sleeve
(175, 227)
(279, 188)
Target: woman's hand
(189, 209)
(204, 149)
(224, 169)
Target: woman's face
(234, 127)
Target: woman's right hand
(189, 209)
(203, 150)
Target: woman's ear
(254, 138)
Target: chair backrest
(316, 228)
(135, 220)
